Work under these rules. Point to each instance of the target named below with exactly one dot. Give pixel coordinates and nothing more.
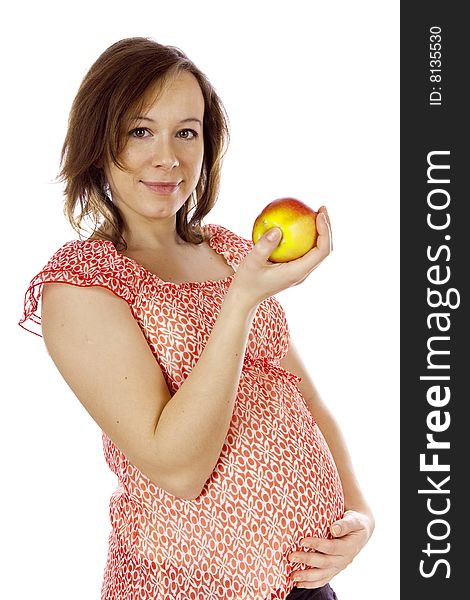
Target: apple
(296, 220)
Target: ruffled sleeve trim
(82, 263)
(233, 246)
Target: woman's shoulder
(82, 263)
(76, 253)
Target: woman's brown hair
(113, 90)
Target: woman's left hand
(328, 557)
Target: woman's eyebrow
(182, 120)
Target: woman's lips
(162, 187)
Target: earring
(107, 191)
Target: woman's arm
(350, 533)
(101, 352)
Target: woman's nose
(165, 155)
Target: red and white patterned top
(275, 481)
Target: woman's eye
(143, 132)
(187, 134)
(139, 132)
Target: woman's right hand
(257, 278)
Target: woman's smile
(162, 187)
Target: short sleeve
(234, 247)
(82, 263)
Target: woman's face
(163, 155)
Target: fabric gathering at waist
(270, 365)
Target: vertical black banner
(435, 259)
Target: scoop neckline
(149, 274)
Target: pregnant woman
(234, 481)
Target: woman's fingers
(313, 559)
(302, 267)
(260, 278)
(320, 567)
(351, 521)
(325, 238)
(267, 243)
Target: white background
(312, 91)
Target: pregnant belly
(277, 464)
(275, 483)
